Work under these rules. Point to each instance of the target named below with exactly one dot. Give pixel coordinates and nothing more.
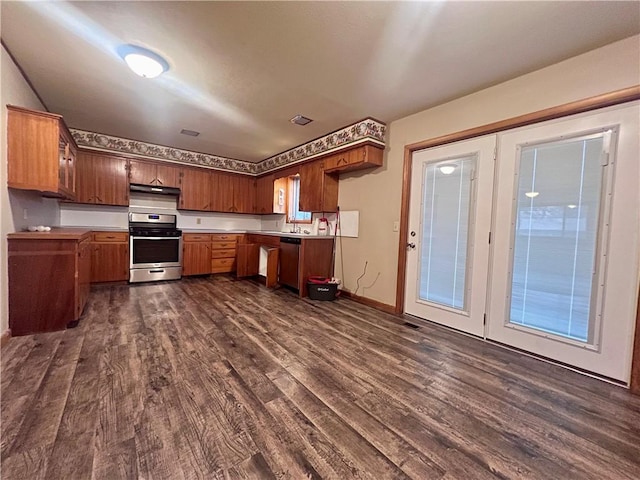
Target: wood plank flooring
(218, 378)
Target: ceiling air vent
(191, 133)
(300, 120)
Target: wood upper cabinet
(195, 189)
(318, 190)
(196, 254)
(109, 257)
(359, 158)
(153, 173)
(264, 194)
(233, 193)
(102, 179)
(244, 194)
(40, 153)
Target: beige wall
(15, 91)
(377, 193)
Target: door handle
(411, 246)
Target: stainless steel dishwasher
(289, 261)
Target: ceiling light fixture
(301, 120)
(532, 194)
(447, 168)
(191, 133)
(143, 62)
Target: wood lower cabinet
(153, 173)
(49, 279)
(316, 260)
(223, 252)
(291, 264)
(102, 179)
(196, 254)
(249, 262)
(195, 189)
(109, 257)
(41, 153)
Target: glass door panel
(565, 249)
(449, 222)
(445, 228)
(555, 238)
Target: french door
(565, 240)
(562, 202)
(449, 223)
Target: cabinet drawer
(196, 237)
(219, 265)
(228, 253)
(222, 245)
(110, 237)
(225, 237)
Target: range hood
(134, 187)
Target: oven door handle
(156, 238)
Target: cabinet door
(311, 187)
(289, 258)
(111, 180)
(109, 262)
(63, 149)
(85, 184)
(72, 161)
(143, 173)
(195, 186)
(222, 192)
(264, 194)
(83, 275)
(33, 155)
(244, 194)
(167, 175)
(248, 260)
(196, 258)
(318, 190)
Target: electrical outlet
(24, 214)
(198, 221)
(277, 224)
(396, 226)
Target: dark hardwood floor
(217, 378)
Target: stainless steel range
(156, 247)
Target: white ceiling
(240, 70)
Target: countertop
(56, 233)
(88, 228)
(211, 230)
(101, 229)
(287, 234)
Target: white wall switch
(198, 220)
(396, 226)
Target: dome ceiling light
(143, 62)
(447, 168)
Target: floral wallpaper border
(367, 129)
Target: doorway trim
(580, 106)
